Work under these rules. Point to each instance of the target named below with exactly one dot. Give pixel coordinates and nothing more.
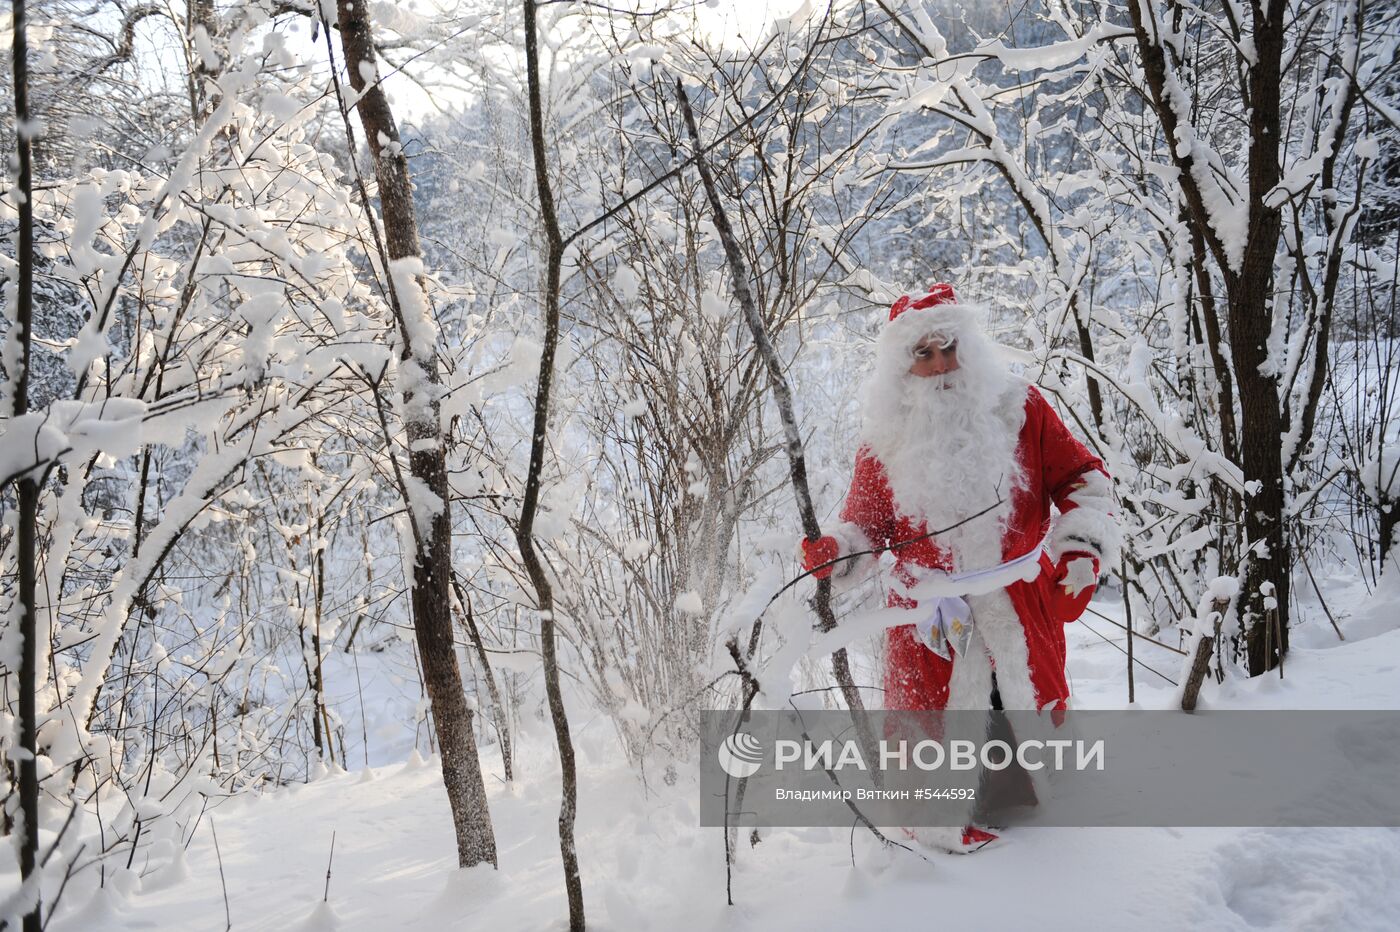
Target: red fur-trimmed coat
(1024, 636)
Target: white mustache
(935, 383)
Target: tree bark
(524, 533)
(498, 707)
(1251, 320)
(432, 571)
(1200, 663)
(28, 533)
(1249, 297)
(1387, 519)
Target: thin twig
(1116, 647)
(223, 884)
(1136, 634)
(326, 897)
(1320, 599)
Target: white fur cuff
(1087, 529)
(851, 539)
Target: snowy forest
(411, 411)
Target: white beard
(948, 445)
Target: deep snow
(646, 864)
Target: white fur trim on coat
(850, 539)
(1088, 526)
(995, 618)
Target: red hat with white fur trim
(937, 312)
(938, 293)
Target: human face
(934, 355)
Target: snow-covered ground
(647, 864)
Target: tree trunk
(1200, 662)
(1251, 319)
(1249, 285)
(432, 571)
(1389, 517)
(318, 680)
(28, 534)
(499, 714)
(524, 533)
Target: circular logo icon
(741, 755)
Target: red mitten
(819, 551)
(1076, 577)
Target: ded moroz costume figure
(948, 431)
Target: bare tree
(529, 505)
(1248, 270)
(426, 493)
(28, 531)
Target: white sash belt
(949, 625)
